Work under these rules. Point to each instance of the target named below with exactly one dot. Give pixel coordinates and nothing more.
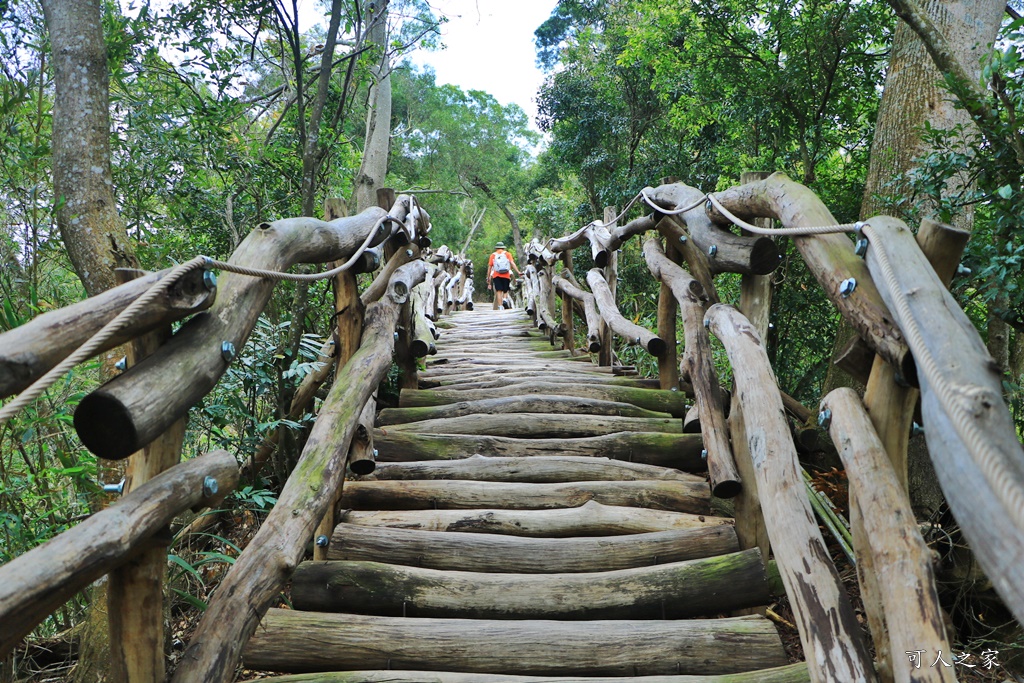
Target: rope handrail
(95, 342)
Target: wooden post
(569, 340)
(348, 312)
(668, 362)
(755, 304)
(611, 275)
(385, 200)
(135, 598)
(891, 403)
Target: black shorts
(500, 283)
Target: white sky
(489, 47)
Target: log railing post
(611, 275)
(668, 362)
(135, 595)
(385, 200)
(348, 314)
(569, 340)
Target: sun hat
(499, 245)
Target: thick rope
(125, 317)
(987, 456)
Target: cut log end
(106, 427)
(730, 488)
(601, 258)
(764, 256)
(656, 346)
(363, 466)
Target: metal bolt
(227, 350)
(704, 455)
(963, 270)
(847, 286)
(713, 250)
(825, 418)
(408, 252)
(122, 364)
(708, 206)
(322, 541)
(210, 486)
(210, 279)
(707, 323)
(859, 226)
(916, 430)
(673, 389)
(396, 336)
(682, 239)
(638, 340)
(861, 248)
(375, 452)
(117, 488)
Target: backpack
(502, 265)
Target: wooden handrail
(27, 352)
(35, 584)
(132, 409)
(632, 333)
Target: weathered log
(590, 519)
(29, 351)
(593, 317)
(304, 641)
(632, 333)
(792, 673)
(636, 226)
(379, 286)
(504, 366)
(541, 425)
(673, 229)
(890, 548)
(35, 584)
(677, 590)
(681, 451)
(811, 580)
(423, 329)
(727, 252)
(830, 258)
(263, 567)
(487, 380)
(361, 458)
(525, 555)
(682, 496)
(699, 368)
(671, 402)
(970, 432)
(538, 470)
(535, 403)
(130, 410)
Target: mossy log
(265, 565)
(791, 673)
(134, 408)
(681, 496)
(676, 590)
(727, 252)
(541, 425)
(507, 365)
(485, 380)
(29, 351)
(302, 641)
(474, 552)
(671, 402)
(532, 403)
(681, 451)
(538, 470)
(632, 333)
(590, 519)
(37, 583)
(830, 258)
(811, 580)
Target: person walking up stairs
(499, 273)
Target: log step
(475, 552)
(589, 519)
(543, 469)
(534, 403)
(682, 451)
(690, 496)
(791, 673)
(677, 590)
(542, 425)
(671, 402)
(293, 641)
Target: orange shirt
(490, 266)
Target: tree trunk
(377, 145)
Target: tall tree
(377, 143)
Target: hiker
(499, 273)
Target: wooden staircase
(533, 518)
